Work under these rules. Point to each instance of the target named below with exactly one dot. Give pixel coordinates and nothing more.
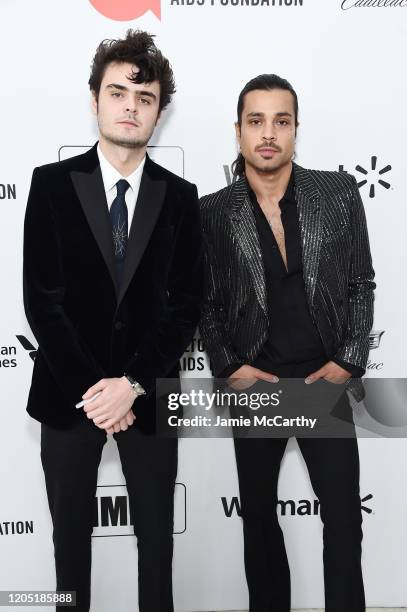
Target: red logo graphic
(126, 10)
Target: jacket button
(119, 325)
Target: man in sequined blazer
(289, 293)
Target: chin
(122, 141)
(267, 167)
(274, 165)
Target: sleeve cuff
(354, 371)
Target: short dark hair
(137, 48)
(265, 82)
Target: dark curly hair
(138, 48)
(265, 82)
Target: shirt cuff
(354, 371)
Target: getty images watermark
(231, 399)
(203, 407)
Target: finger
(117, 427)
(91, 414)
(92, 390)
(129, 418)
(103, 426)
(102, 419)
(267, 376)
(315, 376)
(123, 425)
(110, 430)
(107, 424)
(93, 407)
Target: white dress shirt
(110, 177)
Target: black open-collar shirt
(293, 335)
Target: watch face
(137, 388)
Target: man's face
(127, 112)
(267, 132)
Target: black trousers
(333, 466)
(70, 459)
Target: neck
(269, 186)
(125, 159)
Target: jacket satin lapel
(244, 228)
(92, 196)
(149, 203)
(310, 205)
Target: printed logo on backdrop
(193, 359)
(270, 3)
(7, 191)
(372, 175)
(27, 346)
(228, 174)
(375, 339)
(349, 4)
(8, 357)
(288, 507)
(16, 528)
(126, 10)
(112, 511)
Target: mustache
(268, 146)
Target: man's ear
(94, 103)
(237, 130)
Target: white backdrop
(347, 65)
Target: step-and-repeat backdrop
(346, 61)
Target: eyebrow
(124, 88)
(280, 114)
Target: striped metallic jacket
(337, 268)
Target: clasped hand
(112, 409)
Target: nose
(131, 107)
(269, 132)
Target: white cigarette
(86, 401)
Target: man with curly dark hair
(112, 291)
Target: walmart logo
(372, 176)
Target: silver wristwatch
(137, 388)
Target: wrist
(136, 387)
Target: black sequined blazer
(337, 266)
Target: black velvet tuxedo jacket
(337, 268)
(86, 326)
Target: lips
(128, 123)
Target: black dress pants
(333, 466)
(70, 459)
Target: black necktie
(119, 219)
